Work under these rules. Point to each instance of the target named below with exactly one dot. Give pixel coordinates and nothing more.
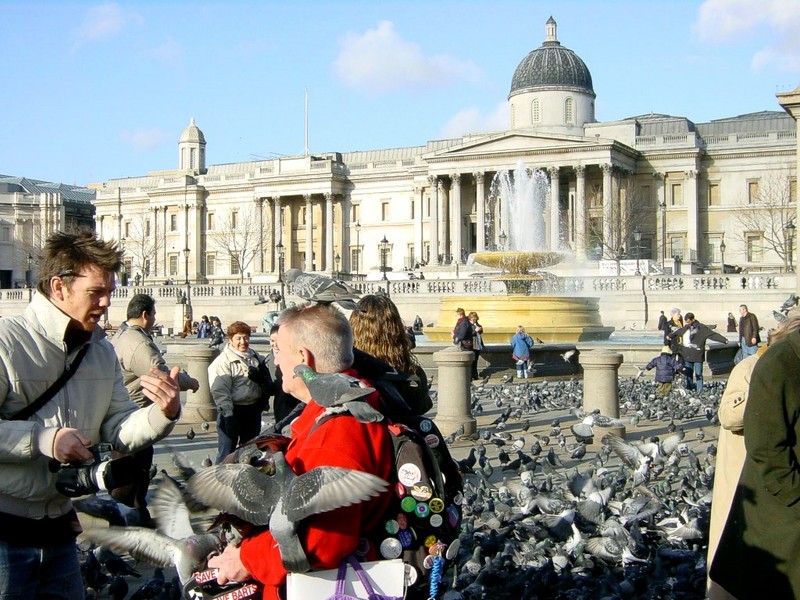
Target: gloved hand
(229, 426)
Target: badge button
(408, 504)
(405, 538)
(422, 509)
(421, 491)
(437, 505)
(392, 526)
(391, 548)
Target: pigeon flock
(555, 506)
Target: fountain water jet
(521, 196)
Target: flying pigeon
(338, 393)
(284, 499)
(318, 288)
(173, 543)
(568, 355)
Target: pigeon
(338, 393)
(321, 289)
(261, 300)
(204, 426)
(283, 500)
(190, 434)
(568, 355)
(173, 543)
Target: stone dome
(192, 134)
(551, 66)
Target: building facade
(654, 187)
(30, 210)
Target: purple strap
(342, 577)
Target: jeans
(248, 422)
(694, 370)
(748, 350)
(48, 573)
(522, 370)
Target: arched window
(536, 115)
(569, 111)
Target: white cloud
(471, 120)
(143, 139)
(723, 21)
(170, 51)
(380, 60)
(104, 22)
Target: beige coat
(730, 458)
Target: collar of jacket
(140, 328)
(50, 322)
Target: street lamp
(663, 206)
(336, 260)
(280, 249)
(188, 285)
(384, 248)
(503, 238)
(722, 253)
(29, 272)
(790, 230)
(637, 236)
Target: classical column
(690, 195)
(608, 212)
(661, 196)
(580, 212)
(444, 214)
(433, 224)
(419, 199)
(327, 227)
(277, 238)
(601, 386)
(454, 409)
(309, 233)
(480, 204)
(555, 208)
(199, 405)
(260, 205)
(455, 217)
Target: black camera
(100, 472)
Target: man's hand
(163, 390)
(69, 445)
(229, 565)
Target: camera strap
(29, 410)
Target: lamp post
(336, 260)
(503, 238)
(637, 236)
(280, 249)
(384, 249)
(188, 285)
(722, 253)
(29, 272)
(790, 231)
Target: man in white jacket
(38, 525)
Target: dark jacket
(462, 333)
(666, 366)
(748, 329)
(758, 538)
(663, 323)
(695, 336)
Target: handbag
(375, 580)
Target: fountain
(534, 297)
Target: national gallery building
(652, 186)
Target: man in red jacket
(320, 337)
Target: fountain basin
(552, 319)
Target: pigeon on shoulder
(322, 289)
(338, 393)
(283, 500)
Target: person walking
(693, 349)
(731, 323)
(749, 337)
(666, 366)
(477, 341)
(237, 394)
(138, 355)
(58, 329)
(663, 323)
(521, 344)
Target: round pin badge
(421, 491)
(429, 541)
(408, 474)
(405, 538)
(427, 562)
(431, 440)
(452, 549)
(436, 504)
(425, 425)
(411, 575)
(391, 548)
(408, 504)
(392, 526)
(399, 490)
(436, 520)
(422, 509)
(437, 549)
(402, 520)
(452, 516)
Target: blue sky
(94, 91)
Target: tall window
(210, 221)
(355, 213)
(676, 194)
(676, 245)
(173, 265)
(5, 234)
(411, 258)
(234, 220)
(211, 263)
(193, 158)
(752, 191)
(384, 210)
(793, 189)
(714, 253)
(646, 195)
(355, 260)
(426, 251)
(713, 193)
(147, 227)
(412, 208)
(428, 204)
(235, 269)
(147, 267)
(173, 222)
(126, 229)
(754, 247)
(536, 115)
(569, 111)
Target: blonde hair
(379, 330)
(473, 314)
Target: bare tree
(768, 212)
(238, 235)
(141, 245)
(627, 212)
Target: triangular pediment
(511, 142)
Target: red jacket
(328, 537)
